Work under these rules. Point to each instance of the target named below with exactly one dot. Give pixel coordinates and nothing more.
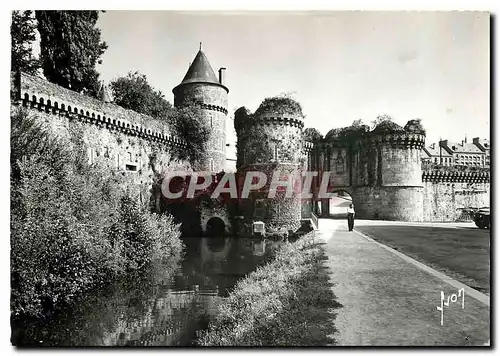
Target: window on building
(435, 160)
(131, 167)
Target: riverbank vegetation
(287, 302)
(74, 225)
(94, 318)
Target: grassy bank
(74, 225)
(287, 302)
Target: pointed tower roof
(200, 71)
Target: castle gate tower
(200, 86)
(387, 163)
(270, 141)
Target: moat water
(165, 305)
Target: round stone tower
(389, 174)
(270, 141)
(201, 87)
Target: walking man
(350, 217)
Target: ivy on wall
(281, 104)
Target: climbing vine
(281, 104)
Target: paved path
(388, 300)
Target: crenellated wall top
(243, 118)
(44, 96)
(455, 177)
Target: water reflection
(164, 306)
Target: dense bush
(287, 302)
(311, 134)
(135, 93)
(281, 104)
(191, 126)
(73, 226)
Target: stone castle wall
(134, 144)
(213, 101)
(400, 167)
(445, 195)
(389, 203)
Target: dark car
(482, 218)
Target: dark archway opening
(215, 227)
(338, 204)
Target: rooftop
(200, 71)
(463, 147)
(483, 143)
(433, 150)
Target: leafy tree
(357, 123)
(134, 92)
(22, 31)
(70, 48)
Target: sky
(340, 66)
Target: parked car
(482, 218)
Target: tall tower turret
(270, 141)
(200, 86)
(387, 163)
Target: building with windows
(435, 154)
(464, 153)
(483, 145)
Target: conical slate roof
(200, 71)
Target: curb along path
(390, 299)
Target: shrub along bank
(287, 302)
(73, 225)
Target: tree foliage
(22, 31)
(379, 119)
(312, 134)
(73, 225)
(280, 104)
(357, 123)
(189, 124)
(134, 92)
(415, 126)
(70, 48)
